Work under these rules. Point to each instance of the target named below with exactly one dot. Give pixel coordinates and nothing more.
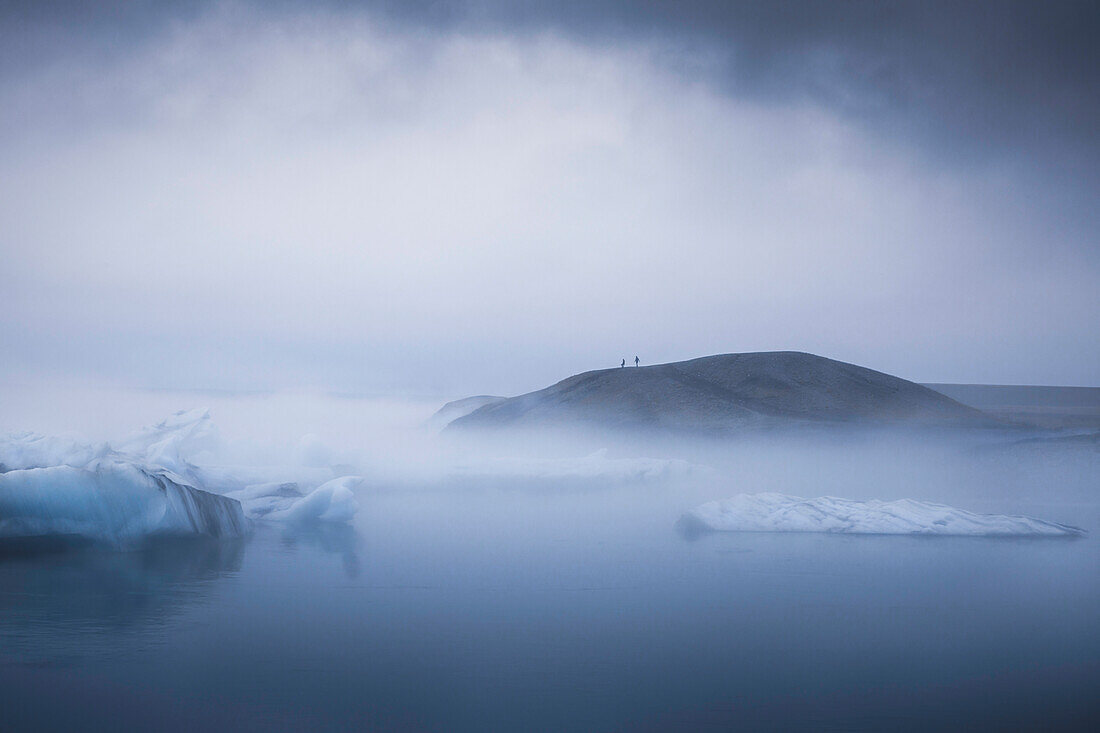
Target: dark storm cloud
(972, 75)
(962, 79)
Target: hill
(727, 392)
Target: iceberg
(147, 485)
(53, 486)
(259, 500)
(782, 513)
(332, 501)
(115, 501)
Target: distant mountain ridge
(727, 392)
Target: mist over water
(492, 583)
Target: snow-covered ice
(31, 450)
(174, 442)
(782, 513)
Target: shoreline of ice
(770, 512)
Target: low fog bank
(1036, 406)
(396, 447)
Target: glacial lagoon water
(496, 608)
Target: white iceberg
(782, 513)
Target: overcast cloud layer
(485, 200)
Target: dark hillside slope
(728, 392)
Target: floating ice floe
(146, 486)
(782, 513)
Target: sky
(456, 198)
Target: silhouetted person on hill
(635, 361)
(623, 364)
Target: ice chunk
(333, 501)
(259, 500)
(782, 513)
(113, 501)
(274, 489)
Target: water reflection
(50, 592)
(690, 528)
(334, 539)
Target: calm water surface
(532, 610)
